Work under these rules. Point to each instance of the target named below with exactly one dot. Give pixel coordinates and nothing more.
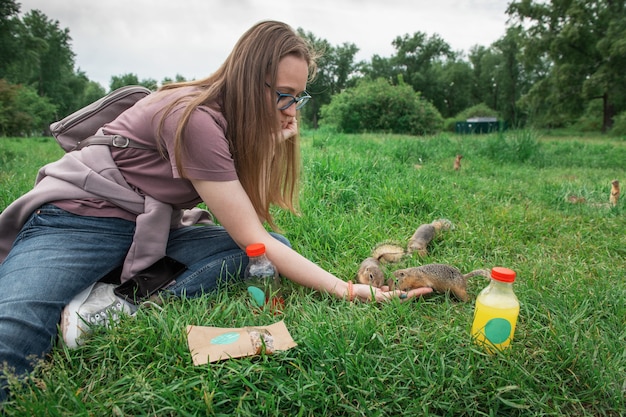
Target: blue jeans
(58, 254)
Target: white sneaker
(97, 305)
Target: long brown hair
(268, 169)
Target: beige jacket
(92, 173)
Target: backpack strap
(116, 141)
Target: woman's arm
(231, 206)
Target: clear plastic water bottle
(262, 279)
(496, 312)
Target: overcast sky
(162, 38)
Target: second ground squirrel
(439, 277)
(424, 234)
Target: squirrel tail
(482, 272)
(388, 253)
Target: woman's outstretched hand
(365, 292)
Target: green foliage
(118, 81)
(619, 125)
(93, 92)
(22, 111)
(381, 107)
(49, 62)
(178, 79)
(580, 44)
(555, 60)
(419, 60)
(591, 119)
(9, 10)
(335, 71)
(454, 92)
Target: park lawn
(510, 204)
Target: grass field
(510, 206)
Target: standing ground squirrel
(457, 162)
(439, 277)
(614, 198)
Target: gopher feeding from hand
(440, 277)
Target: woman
(229, 140)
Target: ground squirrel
(370, 271)
(614, 198)
(439, 277)
(424, 234)
(457, 162)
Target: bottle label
(497, 330)
(494, 327)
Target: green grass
(509, 208)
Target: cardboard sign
(211, 344)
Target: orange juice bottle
(496, 311)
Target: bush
(379, 106)
(591, 119)
(619, 125)
(22, 111)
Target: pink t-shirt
(207, 155)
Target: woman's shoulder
(214, 112)
(184, 96)
(168, 96)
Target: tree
(379, 67)
(416, 59)
(45, 61)
(8, 45)
(36, 56)
(500, 78)
(584, 42)
(118, 81)
(178, 79)
(93, 91)
(453, 86)
(484, 62)
(335, 68)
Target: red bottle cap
(255, 249)
(503, 274)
